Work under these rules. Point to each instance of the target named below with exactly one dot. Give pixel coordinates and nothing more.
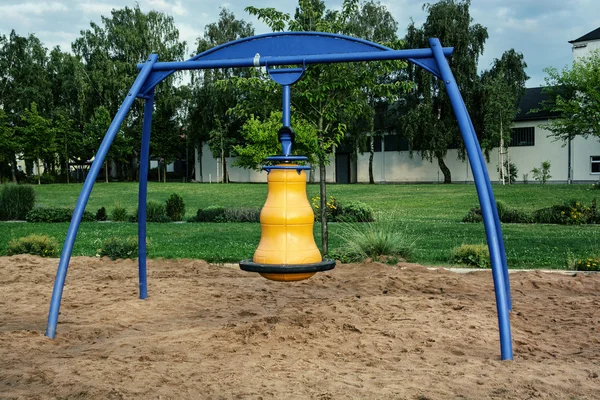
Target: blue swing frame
(293, 48)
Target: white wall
(582, 150)
(395, 167)
(583, 49)
(212, 166)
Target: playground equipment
(287, 250)
(281, 49)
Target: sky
(540, 29)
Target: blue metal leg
(496, 217)
(144, 160)
(65, 256)
(473, 152)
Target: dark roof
(593, 35)
(531, 100)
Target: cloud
(97, 8)
(24, 10)
(173, 8)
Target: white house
(577, 161)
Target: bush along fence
(572, 212)
(17, 203)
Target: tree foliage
(575, 96)
(429, 123)
(261, 142)
(110, 52)
(209, 119)
(502, 86)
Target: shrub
(334, 208)
(45, 179)
(16, 201)
(379, 240)
(472, 255)
(119, 213)
(589, 263)
(211, 214)
(474, 215)
(155, 212)
(39, 245)
(356, 211)
(571, 212)
(55, 214)
(175, 207)
(525, 179)
(242, 214)
(512, 215)
(116, 247)
(101, 214)
(510, 173)
(542, 174)
(506, 214)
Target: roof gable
(593, 35)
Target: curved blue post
(65, 256)
(473, 152)
(143, 193)
(496, 216)
(494, 210)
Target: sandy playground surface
(367, 331)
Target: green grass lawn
(431, 215)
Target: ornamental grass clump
(383, 240)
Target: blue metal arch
(287, 48)
(276, 44)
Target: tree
(95, 130)
(68, 140)
(209, 120)
(429, 123)
(261, 142)
(36, 138)
(502, 86)
(575, 95)
(110, 53)
(321, 97)
(374, 22)
(8, 141)
(23, 80)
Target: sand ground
(365, 331)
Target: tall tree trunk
(323, 195)
(13, 169)
(39, 173)
(200, 162)
(371, 155)
(225, 171)
(445, 170)
(165, 173)
(106, 171)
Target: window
(595, 164)
(522, 137)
